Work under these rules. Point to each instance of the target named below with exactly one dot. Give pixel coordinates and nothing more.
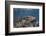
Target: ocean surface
(26, 12)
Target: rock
(24, 21)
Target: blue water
(26, 12)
